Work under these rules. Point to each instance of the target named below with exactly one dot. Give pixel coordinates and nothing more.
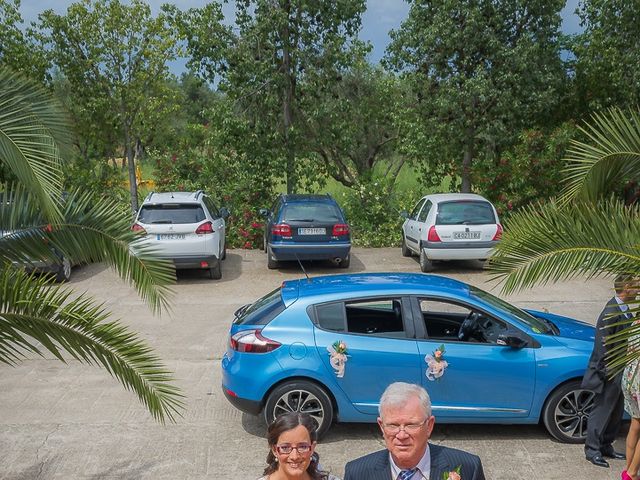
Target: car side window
(450, 321)
(416, 209)
(380, 317)
(425, 211)
(213, 210)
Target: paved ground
(74, 422)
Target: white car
(450, 226)
(186, 227)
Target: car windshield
(465, 212)
(311, 212)
(262, 311)
(171, 213)
(535, 324)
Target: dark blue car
(330, 345)
(306, 227)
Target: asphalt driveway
(71, 422)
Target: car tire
(264, 245)
(271, 262)
(426, 265)
(223, 254)
(63, 274)
(345, 262)
(405, 250)
(215, 272)
(566, 412)
(300, 396)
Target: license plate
(312, 231)
(170, 236)
(466, 235)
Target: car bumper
(312, 251)
(458, 250)
(248, 406)
(194, 261)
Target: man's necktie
(407, 474)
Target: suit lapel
(439, 463)
(381, 470)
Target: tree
(471, 64)
(607, 54)
(114, 57)
(282, 53)
(587, 231)
(37, 316)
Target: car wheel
(63, 274)
(300, 396)
(215, 272)
(271, 262)
(566, 412)
(223, 254)
(426, 265)
(405, 250)
(264, 244)
(345, 262)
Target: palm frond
(33, 130)
(611, 154)
(548, 243)
(91, 230)
(36, 316)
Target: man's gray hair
(398, 393)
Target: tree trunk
(467, 160)
(292, 180)
(133, 186)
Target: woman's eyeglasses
(286, 448)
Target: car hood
(568, 328)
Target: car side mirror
(265, 213)
(404, 214)
(224, 212)
(512, 340)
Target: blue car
(330, 345)
(306, 227)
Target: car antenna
(302, 267)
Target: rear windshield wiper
(162, 221)
(301, 220)
(238, 313)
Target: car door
(218, 222)
(482, 379)
(410, 227)
(421, 222)
(378, 336)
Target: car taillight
(498, 234)
(432, 236)
(252, 341)
(136, 227)
(340, 229)
(206, 227)
(281, 229)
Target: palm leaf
(36, 316)
(611, 154)
(32, 132)
(548, 243)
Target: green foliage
(373, 211)
(98, 177)
(470, 66)
(531, 170)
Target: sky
(380, 17)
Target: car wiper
(161, 222)
(238, 313)
(301, 220)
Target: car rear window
(171, 213)
(467, 212)
(262, 311)
(311, 212)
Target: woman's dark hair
(284, 423)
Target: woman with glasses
(292, 443)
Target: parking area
(71, 421)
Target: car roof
(172, 197)
(445, 197)
(358, 284)
(299, 197)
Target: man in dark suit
(608, 403)
(406, 423)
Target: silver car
(450, 226)
(185, 227)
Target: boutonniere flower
(338, 357)
(453, 474)
(436, 363)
